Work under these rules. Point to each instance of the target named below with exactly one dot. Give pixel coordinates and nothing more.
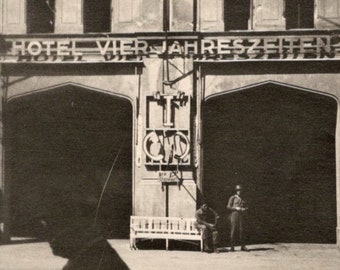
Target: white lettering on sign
(229, 48)
(166, 147)
(168, 106)
(167, 122)
(34, 48)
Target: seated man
(206, 220)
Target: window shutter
(69, 16)
(211, 15)
(327, 14)
(268, 15)
(181, 15)
(14, 20)
(137, 16)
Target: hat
(238, 187)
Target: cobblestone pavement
(38, 256)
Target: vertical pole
(4, 183)
(166, 200)
(251, 16)
(299, 15)
(198, 120)
(337, 150)
(195, 16)
(2, 156)
(166, 14)
(166, 76)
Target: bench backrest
(164, 225)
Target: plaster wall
(323, 83)
(121, 85)
(147, 183)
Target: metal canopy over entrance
(278, 142)
(61, 145)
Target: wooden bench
(168, 228)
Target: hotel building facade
(152, 106)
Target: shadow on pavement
(84, 247)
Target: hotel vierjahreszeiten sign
(131, 49)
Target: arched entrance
(62, 144)
(279, 142)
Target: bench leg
(201, 244)
(133, 243)
(167, 244)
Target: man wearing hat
(237, 207)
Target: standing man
(206, 220)
(237, 207)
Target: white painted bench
(168, 228)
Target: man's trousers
(209, 237)
(236, 228)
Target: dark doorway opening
(299, 14)
(40, 16)
(97, 16)
(280, 144)
(62, 144)
(236, 14)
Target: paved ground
(38, 256)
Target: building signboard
(114, 49)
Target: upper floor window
(236, 14)
(299, 14)
(40, 16)
(97, 16)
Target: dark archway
(61, 146)
(278, 142)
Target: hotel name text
(216, 48)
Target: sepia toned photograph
(169, 134)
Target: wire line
(106, 182)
